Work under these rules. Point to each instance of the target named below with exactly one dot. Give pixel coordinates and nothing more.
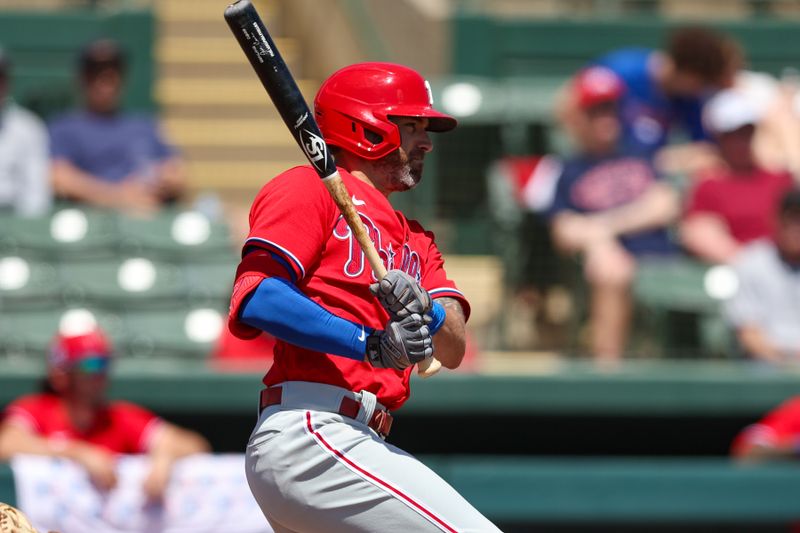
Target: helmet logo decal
(315, 148)
(430, 92)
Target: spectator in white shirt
(24, 155)
(765, 311)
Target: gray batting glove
(403, 343)
(401, 295)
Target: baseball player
(72, 418)
(317, 459)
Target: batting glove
(403, 343)
(401, 295)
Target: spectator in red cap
(609, 207)
(71, 418)
(733, 204)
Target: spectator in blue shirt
(104, 156)
(609, 206)
(668, 88)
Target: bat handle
(427, 367)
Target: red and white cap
(597, 85)
(69, 349)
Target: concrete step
(200, 153)
(206, 10)
(202, 70)
(206, 49)
(236, 175)
(220, 92)
(228, 132)
(262, 111)
(193, 28)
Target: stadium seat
(26, 285)
(124, 283)
(681, 301)
(176, 235)
(210, 283)
(679, 284)
(69, 233)
(28, 333)
(187, 333)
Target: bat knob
(428, 367)
(236, 8)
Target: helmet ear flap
(368, 137)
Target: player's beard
(403, 171)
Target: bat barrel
(266, 60)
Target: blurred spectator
(104, 156)
(24, 179)
(668, 88)
(777, 137)
(776, 436)
(734, 203)
(764, 310)
(71, 418)
(609, 206)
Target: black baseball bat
(260, 49)
(266, 60)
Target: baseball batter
(317, 459)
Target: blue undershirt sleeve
(438, 316)
(279, 308)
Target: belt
(381, 420)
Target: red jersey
(746, 203)
(295, 218)
(120, 427)
(779, 427)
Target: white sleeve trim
(434, 292)
(288, 254)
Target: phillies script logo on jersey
(315, 148)
(408, 260)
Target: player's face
(404, 166)
(88, 382)
(103, 91)
(89, 389)
(600, 128)
(736, 147)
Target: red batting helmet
(353, 107)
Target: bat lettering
(315, 148)
(300, 121)
(264, 42)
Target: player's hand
(401, 295)
(155, 484)
(101, 466)
(403, 343)
(134, 195)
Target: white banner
(207, 493)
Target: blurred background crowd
(620, 203)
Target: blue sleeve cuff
(438, 314)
